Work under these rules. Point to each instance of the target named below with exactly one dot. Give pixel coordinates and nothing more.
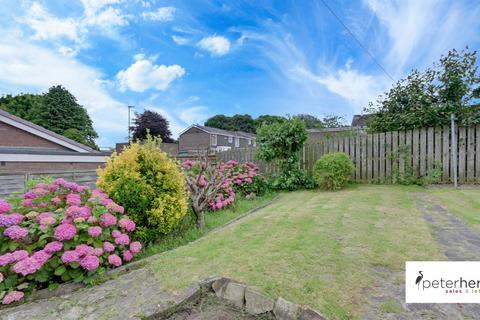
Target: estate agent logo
(442, 281)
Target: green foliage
(238, 122)
(153, 123)
(56, 110)
(149, 184)
(311, 122)
(258, 187)
(267, 119)
(426, 99)
(282, 142)
(409, 176)
(333, 171)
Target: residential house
(200, 138)
(27, 147)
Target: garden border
(70, 287)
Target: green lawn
(311, 247)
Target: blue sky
(193, 59)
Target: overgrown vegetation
(428, 98)
(282, 142)
(56, 110)
(151, 123)
(149, 184)
(333, 171)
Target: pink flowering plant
(213, 187)
(59, 232)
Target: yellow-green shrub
(149, 184)
(333, 171)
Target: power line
(356, 39)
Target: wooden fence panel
(462, 153)
(470, 155)
(446, 155)
(430, 148)
(423, 151)
(381, 157)
(477, 154)
(388, 157)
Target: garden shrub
(333, 171)
(60, 232)
(149, 184)
(282, 143)
(244, 178)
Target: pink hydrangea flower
(30, 195)
(6, 259)
(15, 232)
(56, 200)
(107, 220)
(13, 296)
(41, 257)
(4, 206)
(127, 255)
(70, 256)
(135, 247)
(115, 207)
(90, 263)
(127, 224)
(92, 219)
(27, 202)
(65, 231)
(122, 239)
(107, 246)
(7, 220)
(19, 255)
(114, 260)
(83, 250)
(53, 247)
(116, 233)
(94, 231)
(73, 199)
(97, 252)
(27, 266)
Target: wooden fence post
(454, 151)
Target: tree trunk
(200, 216)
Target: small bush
(60, 232)
(333, 171)
(149, 184)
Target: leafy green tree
(268, 119)
(282, 142)
(25, 105)
(153, 123)
(427, 99)
(333, 121)
(56, 110)
(311, 122)
(238, 122)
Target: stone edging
(246, 299)
(67, 288)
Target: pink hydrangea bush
(60, 232)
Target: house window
(237, 142)
(213, 139)
(230, 139)
(249, 141)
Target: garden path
(458, 242)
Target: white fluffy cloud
(161, 14)
(181, 41)
(97, 14)
(216, 45)
(46, 67)
(143, 75)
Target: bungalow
(197, 138)
(27, 147)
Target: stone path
(458, 242)
(135, 295)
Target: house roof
(46, 134)
(221, 131)
(360, 120)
